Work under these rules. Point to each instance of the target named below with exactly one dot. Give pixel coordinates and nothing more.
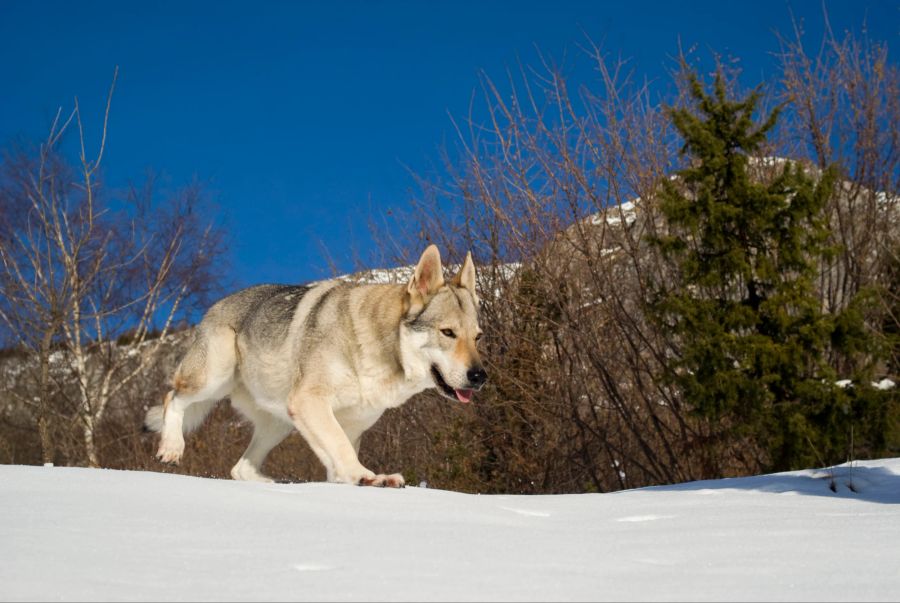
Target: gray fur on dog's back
(265, 307)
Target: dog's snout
(477, 376)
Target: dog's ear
(465, 278)
(427, 278)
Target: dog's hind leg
(205, 376)
(268, 432)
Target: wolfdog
(326, 359)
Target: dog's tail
(194, 415)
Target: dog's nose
(477, 376)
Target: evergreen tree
(752, 340)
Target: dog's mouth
(463, 395)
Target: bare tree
(81, 272)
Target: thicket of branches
(557, 191)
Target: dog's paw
(170, 452)
(246, 472)
(394, 480)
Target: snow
(884, 384)
(381, 276)
(767, 161)
(88, 534)
(614, 214)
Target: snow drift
(75, 534)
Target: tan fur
(327, 360)
(180, 384)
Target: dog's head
(440, 330)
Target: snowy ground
(76, 534)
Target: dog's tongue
(464, 395)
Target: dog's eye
(448, 333)
(477, 337)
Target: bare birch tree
(80, 273)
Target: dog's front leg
(312, 414)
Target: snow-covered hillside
(77, 534)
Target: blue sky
(300, 117)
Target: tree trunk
(43, 421)
(90, 446)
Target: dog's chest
(378, 391)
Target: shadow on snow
(871, 484)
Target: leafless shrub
(845, 110)
(555, 191)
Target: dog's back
(262, 307)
